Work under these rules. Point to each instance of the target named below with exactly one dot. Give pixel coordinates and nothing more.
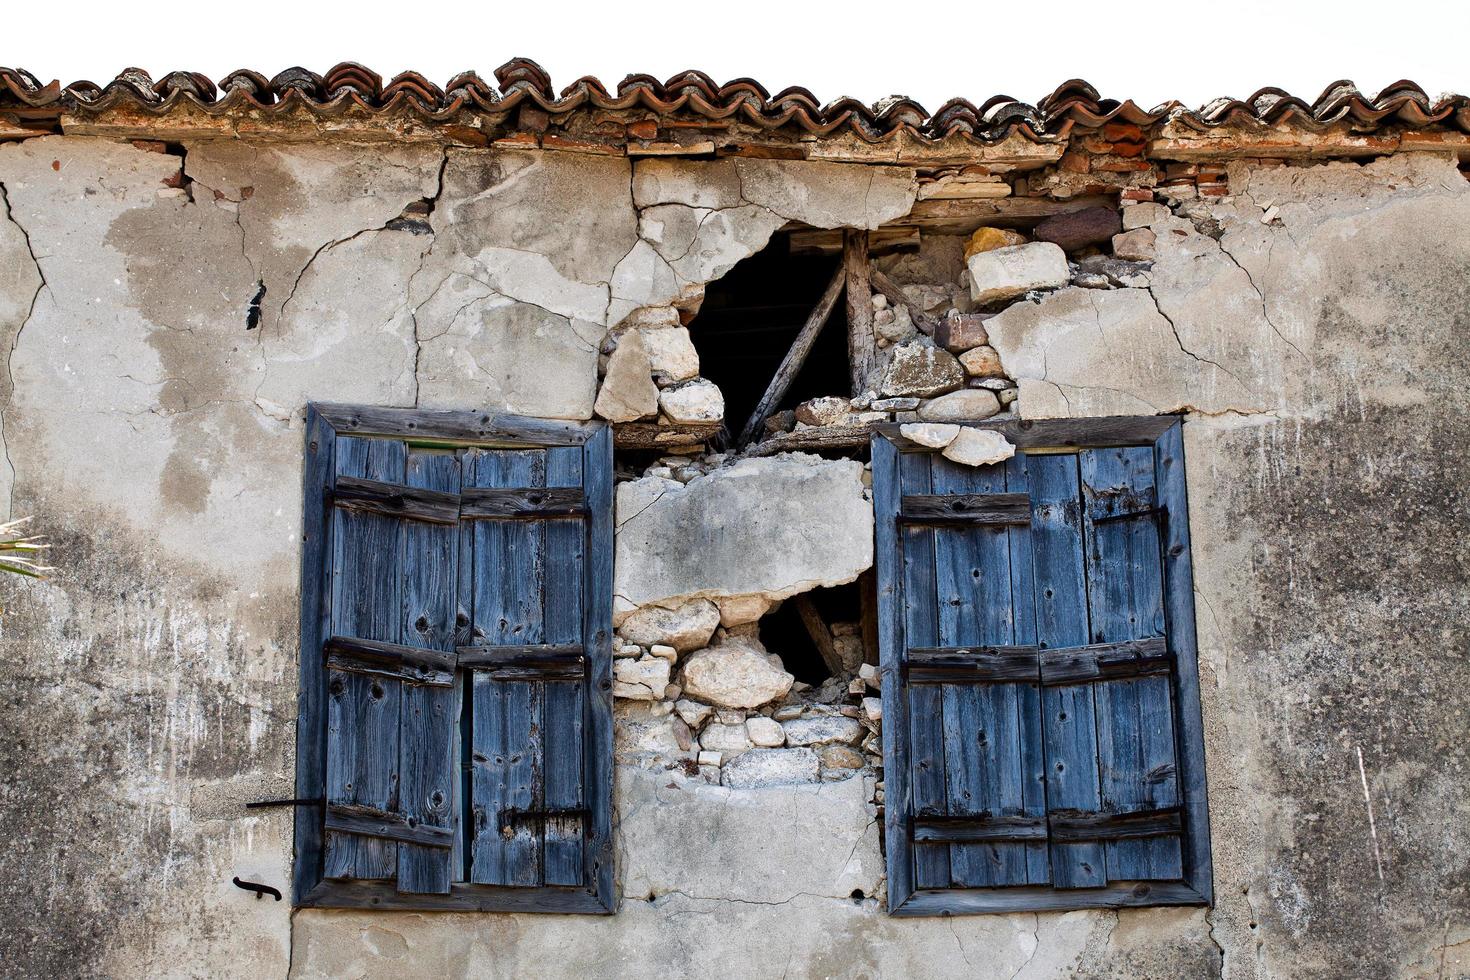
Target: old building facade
(742, 451)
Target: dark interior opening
(783, 631)
(749, 319)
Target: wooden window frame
(1164, 434)
(324, 422)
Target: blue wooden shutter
(390, 662)
(1042, 744)
(455, 734)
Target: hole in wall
(785, 631)
(751, 315)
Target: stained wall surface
(163, 341)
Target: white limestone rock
(935, 435)
(693, 713)
(643, 730)
(628, 391)
(684, 625)
(652, 673)
(772, 767)
(771, 527)
(651, 318)
(697, 401)
(920, 369)
(741, 609)
(827, 410)
(823, 730)
(966, 405)
(734, 674)
(873, 709)
(979, 447)
(1005, 273)
(730, 740)
(1135, 246)
(765, 732)
(671, 354)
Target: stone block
(920, 370)
(684, 625)
(1006, 273)
(971, 404)
(772, 767)
(734, 674)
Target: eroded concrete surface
(152, 423)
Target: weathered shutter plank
(891, 602)
(363, 711)
(925, 701)
(1061, 621)
(565, 558)
(1135, 720)
(1179, 614)
(426, 756)
(597, 475)
(508, 714)
(316, 612)
(981, 736)
(1028, 696)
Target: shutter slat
(507, 715)
(363, 711)
(1068, 713)
(426, 755)
(1028, 699)
(566, 544)
(981, 735)
(1135, 727)
(926, 701)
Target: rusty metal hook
(259, 889)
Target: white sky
(930, 50)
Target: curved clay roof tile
(308, 84)
(524, 74)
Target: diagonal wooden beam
(861, 348)
(898, 296)
(795, 357)
(820, 632)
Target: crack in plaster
(1180, 341)
(15, 341)
(1210, 921)
(1265, 313)
(413, 314)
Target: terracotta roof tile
(351, 87)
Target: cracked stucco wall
(156, 435)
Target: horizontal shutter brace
(1060, 826)
(367, 821)
(470, 504)
(394, 661)
(1052, 667)
(985, 509)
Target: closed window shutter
(529, 674)
(973, 694)
(1041, 733)
(390, 661)
(463, 658)
(1107, 706)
